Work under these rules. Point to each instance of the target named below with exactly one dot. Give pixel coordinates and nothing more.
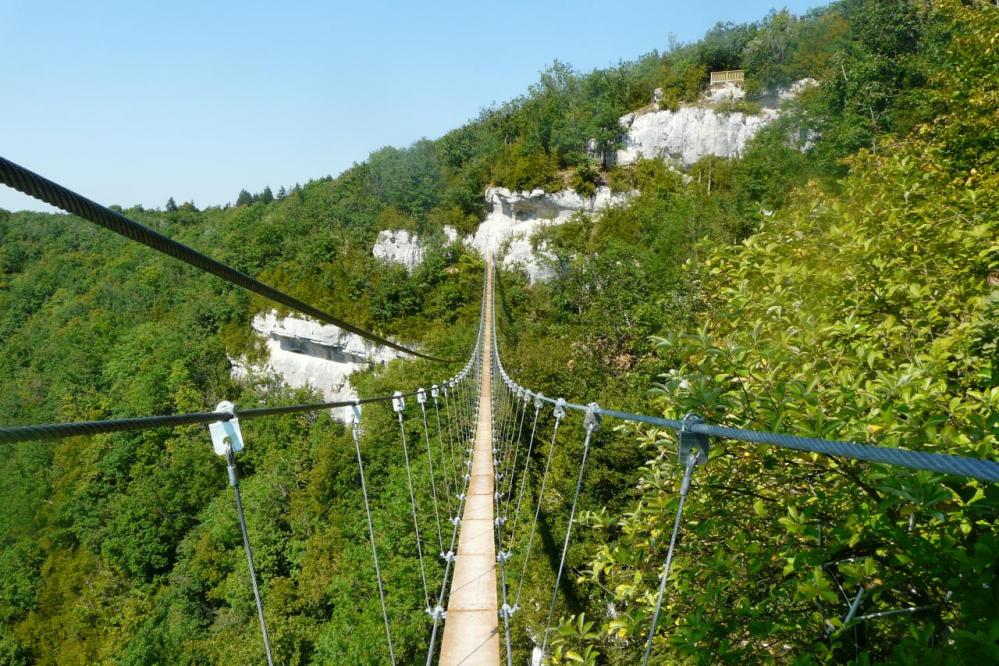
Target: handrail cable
(43, 189)
(13, 434)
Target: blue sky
(134, 102)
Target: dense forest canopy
(838, 279)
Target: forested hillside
(839, 279)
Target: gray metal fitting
(398, 402)
(421, 396)
(592, 419)
(538, 400)
(226, 434)
(500, 521)
(560, 407)
(503, 556)
(448, 556)
(692, 442)
(507, 611)
(527, 396)
(435, 392)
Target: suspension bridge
(486, 437)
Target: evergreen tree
(266, 196)
(171, 205)
(244, 198)
(282, 193)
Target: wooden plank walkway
(471, 630)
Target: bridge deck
(471, 634)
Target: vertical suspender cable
(398, 404)
(356, 433)
(684, 488)
(523, 478)
(421, 398)
(234, 482)
(559, 415)
(591, 426)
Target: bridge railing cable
(43, 189)
(976, 468)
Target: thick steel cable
(412, 504)
(34, 185)
(568, 536)
(537, 510)
(13, 434)
(684, 488)
(356, 432)
(234, 482)
(433, 483)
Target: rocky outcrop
(399, 246)
(403, 247)
(514, 217)
(303, 353)
(692, 132)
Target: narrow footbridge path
(471, 633)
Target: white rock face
(399, 246)
(514, 217)
(689, 133)
(304, 353)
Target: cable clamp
(503, 557)
(507, 611)
(499, 495)
(226, 434)
(448, 556)
(421, 396)
(437, 612)
(592, 419)
(500, 521)
(435, 392)
(527, 396)
(398, 402)
(468, 477)
(692, 442)
(455, 520)
(461, 497)
(560, 406)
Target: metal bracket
(500, 521)
(591, 421)
(507, 611)
(527, 396)
(226, 434)
(448, 556)
(435, 392)
(538, 401)
(421, 396)
(437, 612)
(398, 402)
(560, 408)
(692, 441)
(503, 556)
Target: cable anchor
(692, 442)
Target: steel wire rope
(39, 187)
(513, 467)
(421, 398)
(559, 415)
(523, 477)
(684, 488)
(356, 433)
(412, 503)
(234, 482)
(445, 471)
(590, 428)
(14, 434)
